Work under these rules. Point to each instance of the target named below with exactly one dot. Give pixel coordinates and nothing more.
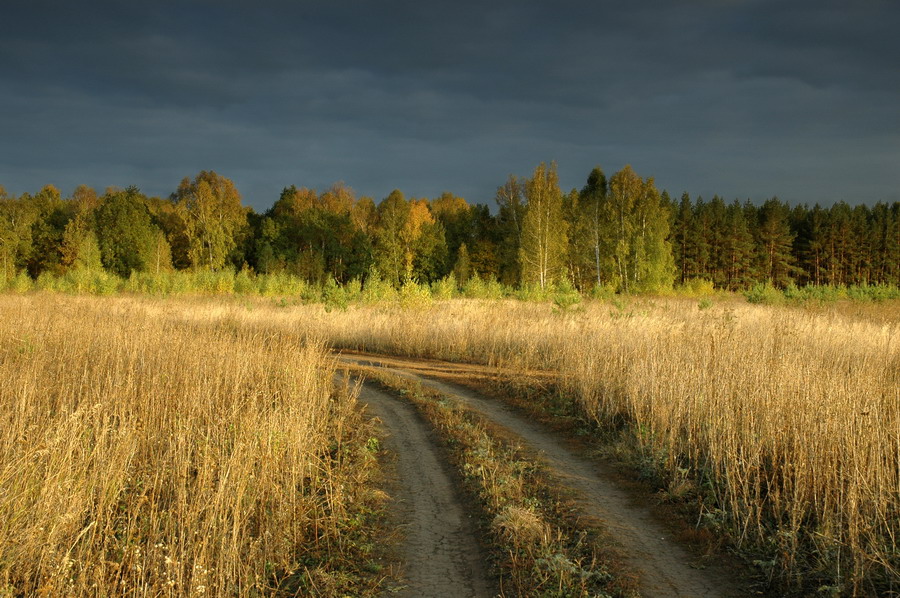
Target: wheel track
(441, 558)
(664, 567)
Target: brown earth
(440, 555)
(664, 566)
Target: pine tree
(716, 241)
(775, 240)
(838, 244)
(681, 235)
(738, 248)
(698, 245)
(860, 253)
(885, 235)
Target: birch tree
(639, 224)
(592, 204)
(543, 245)
(213, 216)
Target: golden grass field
(152, 444)
(786, 419)
(145, 453)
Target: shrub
(566, 296)
(698, 287)
(334, 296)
(414, 295)
(765, 294)
(445, 288)
(377, 289)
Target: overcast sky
(743, 98)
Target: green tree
(699, 247)
(462, 270)
(510, 198)
(738, 248)
(810, 244)
(592, 204)
(128, 239)
(860, 254)
(16, 221)
(430, 253)
(544, 235)
(213, 218)
(774, 243)
(681, 236)
(639, 223)
(390, 243)
(49, 218)
(458, 221)
(169, 217)
(654, 267)
(885, 235)
(80, 246)
(484, 252)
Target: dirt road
(664, 567)
(441, 557)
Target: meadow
(781, 424)
(143, 453)
(189, 442)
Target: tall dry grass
(144, 452)
(787, 421)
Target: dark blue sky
(744, 98)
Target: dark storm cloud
(740, 98)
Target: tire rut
(441, 558)
(663, 566)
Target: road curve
(663, 566)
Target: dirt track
(664, 567)
(441, 557)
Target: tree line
(619, 233)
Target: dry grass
(784, 421)
(787, 420)
(146, 452)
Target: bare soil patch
(440, 554)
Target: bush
(20, 283)
(566, 296)
(765, 294)
(603, 292)
(479, 288)
(445, 288)
(353, 290)
(376, 290)
(414, 295)
(334, 296)
(245, 283)
(879, 292)
(697, 287)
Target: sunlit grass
(145, 453)
(786, 420)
